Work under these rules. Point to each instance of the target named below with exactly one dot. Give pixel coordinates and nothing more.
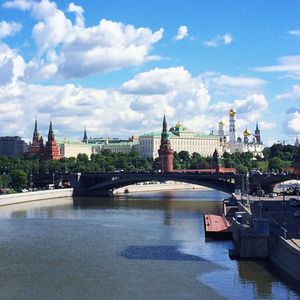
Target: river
(141, 246)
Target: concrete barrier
(34, 196)
(287, 257)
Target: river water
(142, 246)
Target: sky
(114, 67)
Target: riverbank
(157, 187)
(34, 196)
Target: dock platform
(217, 227)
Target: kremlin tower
(51, 149)
(257, 134)
(36, 148)
(232, 135)
(165, 152)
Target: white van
(50, 186)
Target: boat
(217, 227)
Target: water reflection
(120, 247)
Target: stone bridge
(103, 184)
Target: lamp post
(31, 183)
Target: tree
(18, 179)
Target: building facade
(73, 148)
(248, 143)
(181, 139)
(12, 146)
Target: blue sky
(115, 66)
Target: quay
(268, 229)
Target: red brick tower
(36, 148)
(51, 148)
(165, 152)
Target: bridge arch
(97, 184)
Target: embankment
(287, 257)
(34, 196)
(156, 187)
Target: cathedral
(247, 143)
(49, 151)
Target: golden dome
(221, 123)
(247, 132)
(232, 112)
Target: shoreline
(157, 187)
(34, 196)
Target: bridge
(103, 184)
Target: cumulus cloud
(9, 28)
(219, 40)
(12, 65)
(181, 33)
(292, 123)
(294, 94)
(135, 107)
(237, 85)
(19, 4)
(157, 81)
(286, 64)
(78, 10)
(81, 51)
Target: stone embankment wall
(287, 257)
(157, 187)
(34, 196)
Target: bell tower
(232, 131)
(165, 152)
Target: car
(295, 202)
(272, 195)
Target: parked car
(272, 195)
(295, 202)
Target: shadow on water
(158, 253)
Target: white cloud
(19, 4)
(286, 64)
(157, 81)
(12, 65)
(106, 47)
(219, 40)
(81, 51)
(78, 10)
(9, 28)
(294, 94)
(295, 32)
(232, 85)
(181, 33)
(293, 123)
(135, 107)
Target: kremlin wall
(148, 145)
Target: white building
(181, 139)
(73, 148)
(250, 142)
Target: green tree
(18, 179)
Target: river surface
(142, 246)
